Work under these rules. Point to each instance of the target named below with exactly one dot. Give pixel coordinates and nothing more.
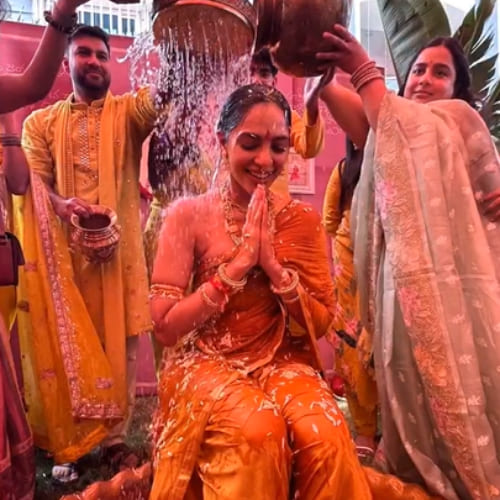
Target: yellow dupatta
(66, 366)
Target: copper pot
(293, 30)
(197, 24)
(96, 236)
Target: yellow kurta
(93, 153)
(307, 140)
(361, 389)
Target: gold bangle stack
(237, 286)
(364, 74)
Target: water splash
(194, 69)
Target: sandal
(120, 457)
(365, 454)
(65, 473)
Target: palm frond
(408, 26)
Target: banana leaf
(477, 37)
(408, 26)
(491, 112)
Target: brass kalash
(292, 29)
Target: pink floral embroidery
(410, 303)
(386, 196)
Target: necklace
(233, 229)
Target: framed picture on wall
(300, 173)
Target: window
(105, 23)
(114, 24)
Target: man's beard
(83, 82)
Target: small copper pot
(197, 24)
(293, 31)
(96, 236)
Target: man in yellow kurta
(307, 132)
(80, 320)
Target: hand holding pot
(345, 52)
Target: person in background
(351, 363)
(79, 338)
(17, 470)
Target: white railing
(116, 19)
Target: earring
(221, 171)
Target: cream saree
(428, 265)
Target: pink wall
(19, 42)
(334, 147)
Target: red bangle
(220, 286)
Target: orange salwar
(243, 411)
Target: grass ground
(90, 467)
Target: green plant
(410, 24)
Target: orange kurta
(243, 409)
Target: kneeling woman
(241, 288)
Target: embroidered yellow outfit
(75, 315)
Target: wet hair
(462, 89)
(4, 9)
(91, 31)
(263, 58)
(349, 171)
(243, 99)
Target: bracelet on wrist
(219, 306)
(236, 285)
(10, 140)
(293, 282)
(66, 29)
(365, 73)
(220, 286)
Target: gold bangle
(292, 300)
(208, 301)
(294, 275)
(162, 291)
(236, 285)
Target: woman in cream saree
(427, 258)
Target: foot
(119, 457)
(365, 447)
(65, 473)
